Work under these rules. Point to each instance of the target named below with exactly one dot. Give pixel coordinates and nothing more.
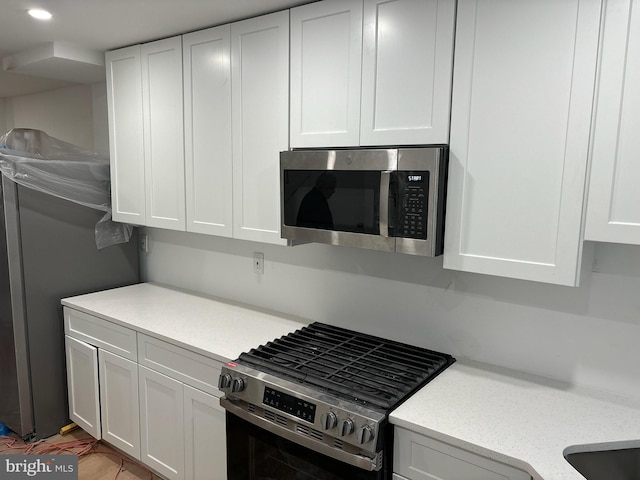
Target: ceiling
(100, 25)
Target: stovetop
(361, 368)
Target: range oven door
(254, 453)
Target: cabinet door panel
(162, 423)
(260, 97)
(207, 122)
(126, 145)
(119, 402)
(406, 71)
(422, 458)
(326, 45)
(82, 383)
(613, 214)
(522, 98)
(205, 436)
(163, 133)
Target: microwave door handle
(385, 179)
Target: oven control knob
(345, 427)
(224, 381)
(364, 435)
(237, 385)
(328, 420)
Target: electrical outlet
(258, 262)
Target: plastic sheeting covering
(35, 160)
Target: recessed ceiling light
(39, 14)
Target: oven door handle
(360, 461)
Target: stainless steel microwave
(382, 199)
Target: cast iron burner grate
(362, 368)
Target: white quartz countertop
(213, 327)
(518, 419)
(511, 417)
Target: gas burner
(352, 366)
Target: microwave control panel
(413, 190)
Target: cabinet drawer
(100, 333)
(417, 457)
(191, 368)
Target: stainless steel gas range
(314, 404)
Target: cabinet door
(207, 125)
(260, 96)
(326, 46)
(613, 213)
(162, 423)
(407, 61)
(163, 133)
(205, 436)
(119, 402)
(417, 457)
(522, 97)
(126, 145)
(82, 384)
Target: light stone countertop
(512, 417)
(216, 328)
(518, 419)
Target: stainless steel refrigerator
(47, 252)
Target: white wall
(100, 118)
(3, 116)
(588, 335)
(64, 113)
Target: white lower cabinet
(102, 383)
(417, 457)
(204, 439)
(152, 400)
(82, 385)
(161, 422)
(183, 429)
(119, 402)
(183, 425)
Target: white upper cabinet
(407, 58)
(522, 102)
(124, 101)
(197, 124)
(163, 133)
(207, 125)
(613, 212)
(260, 123)
(326, 46)
(371, 73)
(144, 98)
